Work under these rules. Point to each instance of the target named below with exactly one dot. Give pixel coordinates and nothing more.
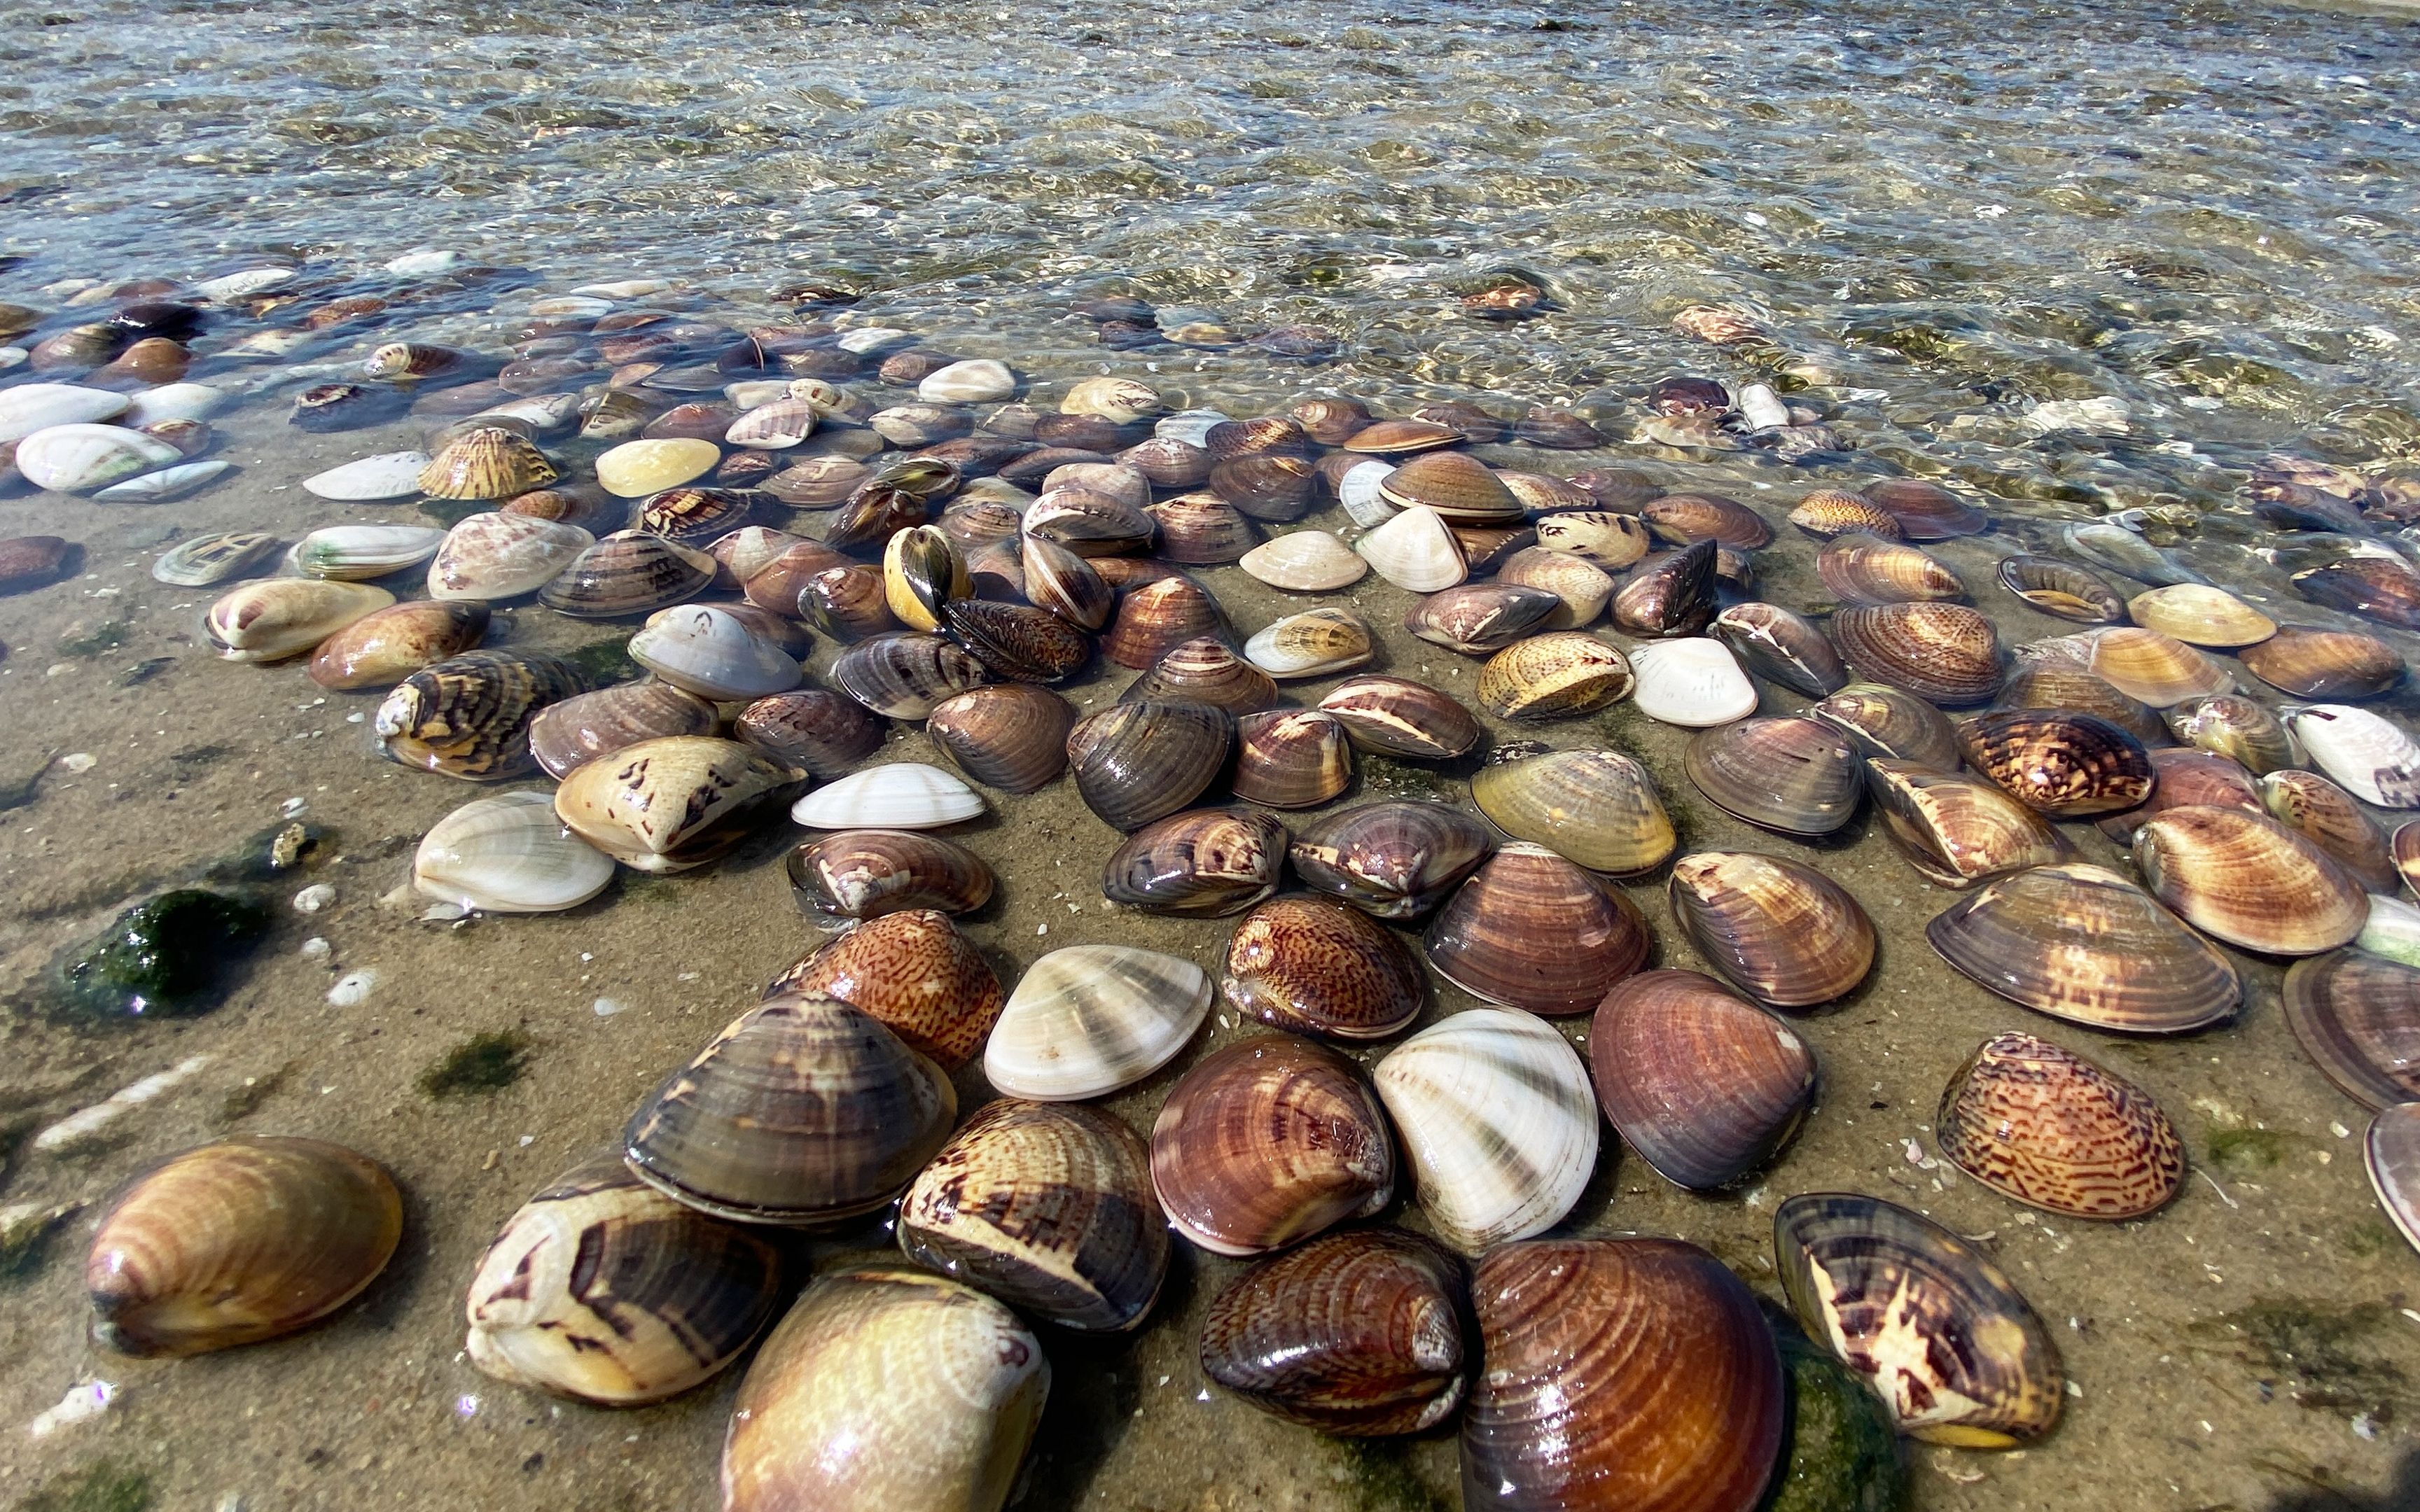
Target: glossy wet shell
(912, 970)
(237, 1241)
(628, 573)
(1796, 775)
(1937, 1329)
(1958, 829)
(1290, 757)
(604, 1290)
(2200, 615)
(1671, 594)
(2065, 763)
(886, 1390)
(2236, 728)
(864, 873)
(1863, 570)
(1135, 763)
(2044, 1125)
(1945, 652)
(2061, 686)
(1703, 1084)
(509, 854)
(2062, 589)
(1087, 1020)
(1534, 931)
(2328, 815)
(1357, 1334)
(2324, 664)
(2249, 881)
(1555, 675)
(1200, 863)
(1204, 670)
(1009, 735)
(904, 674)
(1632, 1374)
(1891, 722)
(469, 716)
(1397, 717)
(1782, 647)
(387, 645)
(2158, 669)
(1480, 619)
(1048, 1207)
(1779, 930)
(825, 732)
(587, 726)
(1392, 859)
(1598, 808)
(671, 804)
(1322, 969)
(2357, 1017)
(2391, 1148)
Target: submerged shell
(2237, 728)
(2376, 760)
(352, 553)
(1787, 648)
(2249, 880)
(1863, 570)
(896, 795)
(1268, 1141)
(712, 653)
(906, 674)
(2201, 615)
(1945, 652)
(509, 854)
(2047, 1127)
(2062, 589)
(1416, 553)
(2158, 669)
(2082, 943)
(1555, 675)
(2325, 664)
(1085, 1021)
(1011, 735)
(469, 716)
(2357, 1017)
(84, 458)
(1531, 930)
(2392, 1148)
(489, 462)
(1779, 930)
(672, 803)
(2309, 802)
(215, 557)
(1893, 723)
(2057, 686)
(1797, 775)
(1703, 1084)
(628, 572)
(1598, 808)
(2063, 762)
(1306, 562)
(1958, 829)
(1389, 860)
(825, 732)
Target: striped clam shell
(1088, 1020)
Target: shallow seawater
(1946, 218)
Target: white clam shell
(82, 458)
(1694, 683)
(32, 407)
(1090, 1019)
(977, 380)
(1761, 408)
(387, 475)
(236, 284)
(509, 854)
(422, 261)
(351, 553)
(1191, 426)
(1415, 551)
(177, 401)
(2371, 758)
(2393, 929)
(706, 651)
(1499, 1119)
(166, 484)
(281, 617)
(1311, 644)
(902, 795)
(1305, 562)
(865, 339)
(495, 555)
(570, 307)
(548, 414)
(1358, 491)
(626, 288)
(775, 426)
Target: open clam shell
(672, 803)
(1531, 930)
(1944, 652)
(2249, 881)
(1782, 646)
(1553, 675)
(2376, 760)
(1705, 1086)
(864, 873)
(1598, 808)
(1322, 969)
(469, 716)
(2357, 1017)
(1794, 775)
(1497, 1121)
(1958, 829)
(2063, 762)
(912, 970)
(1200, 863)
(1392, 859)
(2392, 1150)
(509, 854)
(1892, 723)
(1087, 1020)
(1781, 931)
(2044, 1125)
(1048, 1207)
(2080, 943)
(2062, 589)
(897, 796)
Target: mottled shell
(1958, 829)
(912, 970)
(469, 716)
(821, 732)
(672, 803)
(1781, 646)
(2062, 589)
(487, 463)
(1322, 969)
(2049, 1128)
(1397, 717)
(2063, 762)
(1088, 1020)
(1531, 930)
(1393, 859)
(2249, 881)
(2317, 808)
(1779, 930)
(1704, 1084)
(2357, 1017)
(1553, 675)
(864, 873)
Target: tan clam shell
(1600, 536)
(1307, 561)
(1456, 484)
(1314, 643)
(672, 803)
(2325, 664)
(1779, 930)
(1945, 652)
(1553, 675)
(280, 617)
(386, 645)
(2156, 668)
(2249, 881)
(1865, 570)
(1598, 808)
(1958, 829)
(2357, 1017)
(2309, 802)
(1582, 585)
(2044, 1125)
(2201, 615)
(1831, 512)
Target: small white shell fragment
(1305, 562)
(1694, 682)
(32, 407)
(236, 284)
(166, 484)
(1415, 551)
(509, 854)
(176, 401)
(387, 475)
(1089, 1019)
(314, 897)
(88, 1121)
(1761, 408)
(901, 796)
(977, 380)
(79, 762)
(353, 988)
(13, 357)
(2103, 415)
(422, 261)
(318, 948)
(605, 1008)
(570, 307)
(84, 1400)
(2370, 758)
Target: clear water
(1946, 215)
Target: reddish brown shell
(1531, 930)
(912, 970)
(1703, 1084)
(2049, 1128)
(1945, 652)
(1779, 930)
(1322, 969)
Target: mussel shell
(236, 1241)
(1481, 619)
(1945, 652)
(1794, 775)
(2082, 943)
(1397, 717)
(1669, 595)
(820, 731)
(1598, 808)
(1357, 1334)
(803, 1110)
(2044, 1125)
(1938, 1330)
(1783, 647)
(1620, 1373)
(1531, 930)
(1135, 763)
(604, 1290)
(2062, 589)
(469, 716)
(1555, 675)
(1010, 735)
(1393, 859)
(1703, 1084)
(2324, 664)
(588, 726)
(2309, 802)
(1017, 643)
(904, 674)
(1321, 968)
(865, 873)
(1200, 863)
(1046, 1206)
(1958, 829)
(2249, 881)
(2063, 762)
(1205, 671)
(2357, 1017)
(1087, 1020)
(1779, 930)
(1892, 723)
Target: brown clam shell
(2386, 589)
(1634, 1374)
(386, 645)
(1206, 670)
(1168, 462)
(1531, 930)
(2324, 664)
(1329, 419)
(2185, 776)
(1892, 723)
(1393, 859)
(1202, 529)
(694, 515)
(2053, 685)
(1157, 617)
(2334, 819)
(778, 584)
(1266, 486)
(1555, 675)
(1290, 757)
(1460, 487)
(1685, 519)
(1202, 863)
(1794, 775)
(2236, 728)
(1359, 1334)
(2062, 590)
(2357, 1017)
(2158, 669)
(1926, 511)
(904, 674)
(1135, 763)
(1959, 829)
(1945, 653)
(469, 714)
(1865, 570)
(1781, 931)
(1267, 1141)
(629, 572)
(2044, 1125)
(1830, 511)
(2082, 943)
(817, 482)
(1397, 717)
(1398, 437)
(2405, 845)
(1480, 619)
(2063, 762)
(1016, 642)
(912, 970)
(1261, 434)
(824, 732)
(2249, 881)
(1598, 808)
(1782, 647)
(590, 725)
(1009, 735)
(1088, 522)
(1321, 968)
(1672, 594)
(1057, 580)
(1703, 1084)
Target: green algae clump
(481, 1063)
(104, 1487)
(166, 957)
(1843, 1453)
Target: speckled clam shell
(912, 970)
(1945, 652)
(1891, 722)
(1553, 675)
(1497, 1121)
(1582, 586)
(2249, 881)
(1781, 931)
(1598, 808)
(1609, 540)
(803, 1111)
(2392, 1151)
(282, 617)
(1792, 774)
(707, 651)
(2357, 1017)
(495, 555)
(604, 1290)
(673, 803)
(864, 873)
(1200, 863)
(588, 726)
(2041, 1124)
(1314, 643)
(469, 716)
(236, 1241)
(1046, 1206)
(214, 559)
(1087, 1020)
(1703, 1084)
(1958, 829)
(2236, 728)
(2063, 762)
(2375, 758)
(1937, 1330)
(509, 854)
(2199, 614)
(884, 1391)
(1322, 969)
(1531, 930)
(1629, 1373)
(1392, 859)
(1782, 647)
(898, 795)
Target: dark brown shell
(2044, 1125)
(1010, 735)
(2357, 1017)
(1685, 519)
(1202, 529)
(1321, 968)
(1781, 646)
(628, 572)
(1202, 863)
(1157, 617)
(1393, 859)
(2065, 763)
(1703, 1084)
(1267, 486)
(1206, 670)
(1669, 595)
(2333, 820)
(1779, 930)
(2380, 587)
(2324, 664)
(905, 673)
(1945, 652)
(1017, 642)
(1135, 763)
(1290, 757)
(824, 732)
(2186, 777)
(1531, 930)
(914, 972)
(1794, 775)
(864, 873)
(1397, 717)
(847, 602)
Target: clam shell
(1705, 1086)
(900, 795)
(1088, 1020)
(672, 803)
(386, 645)
(469, 716)
(352, 553)
(695, 516)
(1049, 1206)
(1926, 511)
(1357, 1334)
(1392, 859)
(2048, 685)
(2357, 1017)
(2121, 550)
(282, 617)
(1828, 512)
(905, 675)
(1314, 643)
(1455, 484)
(2158, 669)
(803, 1111)
(1531, 930)
(1321, 968)
(1630, 1373)
(1204, 670)
(1668, 594)
(212, 558)
(1685, 519)
(2382, 588)
(1011, 735)
(1693, 682)
(825, 732)
(1584, 587)
(1945, 652)
(2237, 728)
(27, 408)
(628, 572)
(2063, 762)
(2375, 759)
(1135, 763)
(1782, 647)
(1267, 1142)
(1059, 580)
(1290, 757)
(1202, 529)
(2044, 1125)
(1497, 1121)
(2186, 777)
(2249, 881)
(775, 426)
(493, 555)
(1553, 675)
(489, 462)
(2392, 1150)
(1156, 618)
(2309, 802)
(1416, 553)
(913, 971)
(509, 854)
(1781, 931)
(1957, 830)
(635, 470)
(1480, 619)
(883, 1391)
(1891, 722)
(1202, 862)
(1361, 487)
(865, 873)
(1598, 808)
(1863, 570)
(979, 380)
(166, 484)
(2082, 943)
(2062, 589)
(84, 458)
(1937, 1329)
(1397, 717)
(708, 652)
(236, 1241)
(2325, 664)
(1599, 536)
(1796, 775)
(1088, 522)
(2200, 615)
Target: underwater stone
(164, 958)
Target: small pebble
(606, 1007)
(82, 761)
(353, 987)
(312, 899)
(317, 948)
